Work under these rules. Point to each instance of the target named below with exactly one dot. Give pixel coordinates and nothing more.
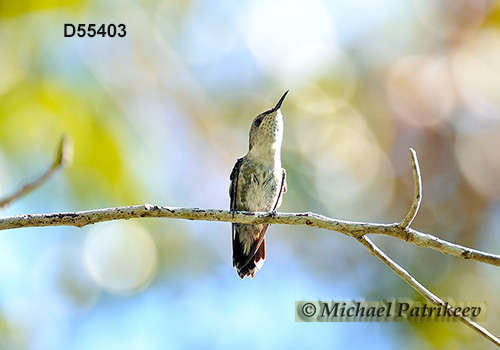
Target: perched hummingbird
(257, 184)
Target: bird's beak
(278, 105)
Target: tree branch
(357, 230)
(63, 157)
(427, 294)
(350, 228)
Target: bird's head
(267, 129)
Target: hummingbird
(257, 184)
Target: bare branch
(63, 157)
(417, 198)
(357, 230)
(427, 294)
(350, 228)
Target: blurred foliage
(52, 111)
(16, 8)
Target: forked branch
(401, 272)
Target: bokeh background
(160, 117)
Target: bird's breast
(259, 187)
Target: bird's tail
(249, 253)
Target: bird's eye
(257, 121)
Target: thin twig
(63, 157)
(417, 198)
(427, 294)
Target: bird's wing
(233, 190)
(258, 253)
(283, 189)
(233, 186)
